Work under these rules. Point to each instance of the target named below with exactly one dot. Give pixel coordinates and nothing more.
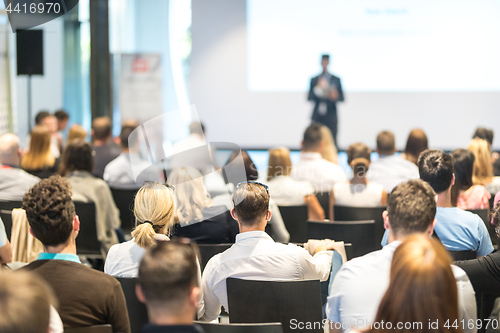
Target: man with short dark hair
(255, 255)
(361, 283)
(389, 170)
(87, 297)
(168, 285)
(457, 229)
(119, 173)
(322, 174)
(104, 150)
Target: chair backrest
(252, 301)
(463, 255)
(295, 218)
(358, 233)
(137, 312)
(91, 329)
(124, 200)
(484, 214)
(207, 251)
(6, 208)
(241, 328)
(324, 201)
(87, 242)
(346, 213)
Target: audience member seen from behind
(129, 170)
(169, 286)
(104, 149)
(76, 132)
(358, 192)
(154, 212)
(464, 194)
(39, 159)
(14, 181)
(232, 172)
(86, 296)
(5, 248)
(483, 169)
(320, 173)
(390, 170)
(360, 284)
(255, 255)
(198, 219)
(76, 166)
(487, 134)
(26, 302)
(422, 293)
(416, 144)
(287, 191)
(484, 272)
(329, 152)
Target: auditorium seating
(207, 251)
(87, 243)
(253, 301)
(324, 201)
(137, 312)
(6, 208)
(124, 200)
(241, 328)
(295, 218)
(91, 329)
(358, 233)
(463, 255)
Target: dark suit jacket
(331, 109)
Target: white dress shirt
(287, 191)
(255, 256)
(14, 182)
(358, 195)
(320, 173)
(360, 284)
(391, 170)
(118, 173)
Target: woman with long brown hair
(422, 295)
(38, 160)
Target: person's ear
(385, 216)
(194, 297)
(76, 223)
(140, 294)
(92, 132)
(31, 233)
(20, 153)
(453, 180)
(233, 214)
(430, 229)
(269, 214)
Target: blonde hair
(38, 155)
(279, 163)
(154, 209)
(190, 193)
(76, 132)
(482, 170)
(329, 152)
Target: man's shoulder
(376, 262)
(457, 216)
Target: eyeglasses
(253, 182)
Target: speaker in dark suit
(325, 92)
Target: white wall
(218, 86)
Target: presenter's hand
(334, 94)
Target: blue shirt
(59, 256)
(3, 234)
(459, 230)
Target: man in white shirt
(320, 173)
(255, 256)
(119, 173)
(360, 284)
(390, 170)
(14, 181)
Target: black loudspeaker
(29, 52)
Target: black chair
(91, 329)
(207, 251)
(324, 201)
(87, 243)
(484, 214)
(346, 213)
(295, 218)
(6, 208)
(358, 233)
(463, 255)
(124, 200)
(286, 302)
(137, 312)
(241, 328)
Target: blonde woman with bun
(358, 192)
(483, 169)
(154, 211)
(329, 151)
(198, 218)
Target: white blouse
(358, 195)
(287, 191)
